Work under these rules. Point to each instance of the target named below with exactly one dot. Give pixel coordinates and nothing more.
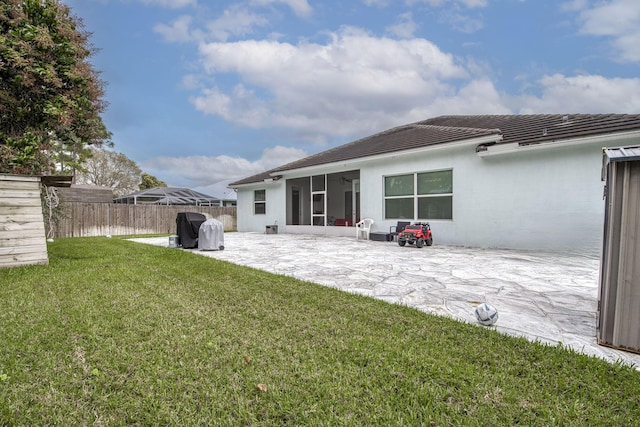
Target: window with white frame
(421, 195)
(260, 202)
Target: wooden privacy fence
(77, 219)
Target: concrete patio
(549, 297)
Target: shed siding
(619, 296)
(22, 235)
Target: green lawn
(119, 333)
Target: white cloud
(237, 20)
(178, 31)
(299, 7)
(354, 83)
(456, 13)
(582, 94)
(461, 22)
(279, 155)
(357, 84)
(574, 5)
(190, 82)
(215, 172)
(617, 19)
(477, 97)
(405, 28)
(215, 102)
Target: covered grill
(187, 227)
(211, 236)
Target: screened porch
(325, 200)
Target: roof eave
(514, 147)
(350, 163)
(261, 183)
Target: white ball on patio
(486, 314)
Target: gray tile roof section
(416, 135)
(525, 129)
(537, 128)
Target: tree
(110, 169)
(150, 181)
(50, 95)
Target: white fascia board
(236, 187)
(514, 147)
(269, 182)
(352, 163)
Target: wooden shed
(22, 234)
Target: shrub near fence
(99, 219)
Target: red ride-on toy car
(418, 234)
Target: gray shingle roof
(521, 129)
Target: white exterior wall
(275, 207)
(538, 198)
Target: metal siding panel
(627, 318)
(619, 295)
(610, 261)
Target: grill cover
(188, 224)
(211, 236)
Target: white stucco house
(503, 181)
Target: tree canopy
(51, 97)
(110, 169)
(150, 181)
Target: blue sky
(204, 92)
